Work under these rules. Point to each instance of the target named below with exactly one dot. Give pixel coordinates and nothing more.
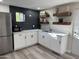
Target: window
(20, 17)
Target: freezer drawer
(5, 45)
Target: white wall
(63, 28)
(4, 8)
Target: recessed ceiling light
(1, 0)
(38, 8)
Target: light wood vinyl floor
(34, 52)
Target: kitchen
(52, 29)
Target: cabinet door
(47, 40)
(19, 41)
(27, 39)
(33, 36)
(55, 44)
(22, 39)
(43, 39)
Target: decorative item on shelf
(64, 23)
(61, 22)
(44, 21)
(57, 10)
(63, 11)
(62, 14)
(47, 15)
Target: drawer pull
(59, 42)
(25, 37)
(31, 36)
(43, 36)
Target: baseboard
(49, 49)
(26, 47)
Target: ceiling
(34, 4)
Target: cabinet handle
(43, 36)
(31, 36)
(60, 42)
(25, 37)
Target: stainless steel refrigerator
(6, 44)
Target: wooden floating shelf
(44, 22)
(44, 16)
(63, 14)
(64, 23)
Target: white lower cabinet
(33, 36)
(43, 39)
(27, 39)
(55, 45)
(19, 41)
(24, 39)
(58, 45)
(46, 40)
(30, 38)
